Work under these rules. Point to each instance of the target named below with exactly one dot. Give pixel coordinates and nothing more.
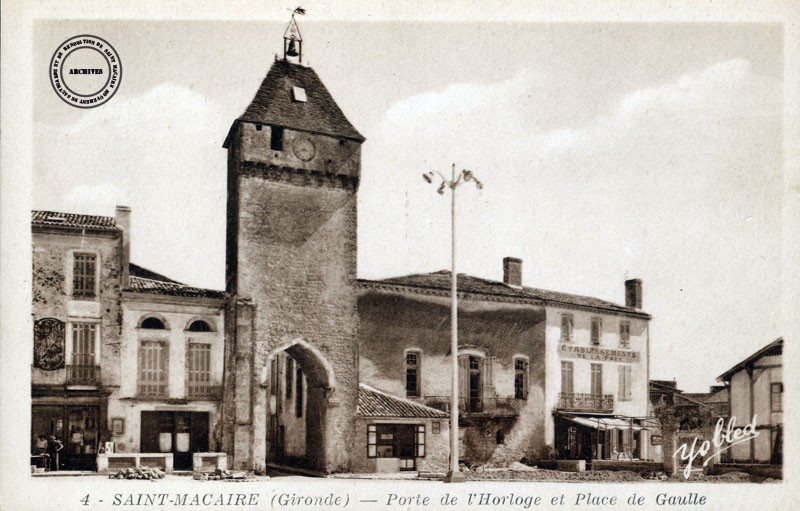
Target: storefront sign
(602, 354)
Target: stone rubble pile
(151, 473)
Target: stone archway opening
(299, 383)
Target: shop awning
(605, 423)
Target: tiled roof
(374, 403)
(274, 103)
(440, 281)
(73, 221)
(150, 282)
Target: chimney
(123, 220)
(512, 271)
(633, 293)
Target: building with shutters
(120, 354)
(300, 364)
(542, 373)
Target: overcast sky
(608, 151)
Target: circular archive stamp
(85, 71)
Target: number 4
(85, 500)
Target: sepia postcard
(423, 255)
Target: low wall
(756, 469)
(562, 465)
(633, 466)
(209, 461)
(107, 462)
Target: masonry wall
(294, 233)
(394, 322)
(52, 296)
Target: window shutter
(488, 373)
(463, 378)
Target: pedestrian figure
(41, 452)
(54, 446)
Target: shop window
(395, 441)
(520, 378)
(776, 396)
(624, 382)
(624, 334)
(413, 373)
(597, 330)
(153, 369)
(199, 369)
(82, 427)
(566, 327)
(84, 275)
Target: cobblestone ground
(535, 474)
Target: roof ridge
(499, 288)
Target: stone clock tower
(291, 380)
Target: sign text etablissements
(596, 353)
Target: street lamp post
(453, 475)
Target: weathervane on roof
(292, 40)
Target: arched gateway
(292, 323)
(300, 387)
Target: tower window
(276, 139)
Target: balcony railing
(586, 402)
(204, 392)
(152, 389)
(83, 375)
(494, 406)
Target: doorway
(181, 433)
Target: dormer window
(299, 94)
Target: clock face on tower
(303, 148)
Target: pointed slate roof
(440, 282)
(374, 403)
(274, 104)
(143, 280)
